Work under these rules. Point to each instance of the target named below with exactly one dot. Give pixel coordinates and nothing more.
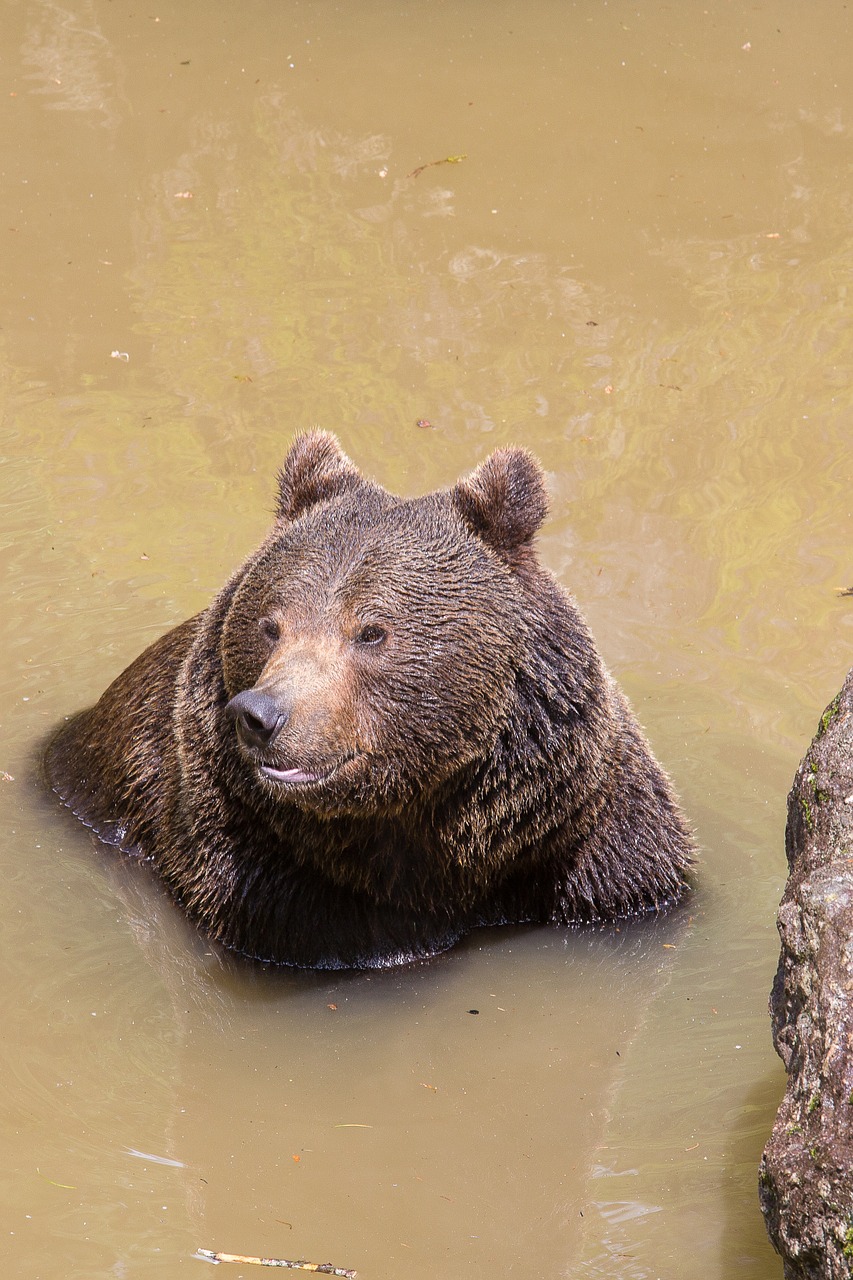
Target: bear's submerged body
(390, 727)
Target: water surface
(216, 235)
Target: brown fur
(445, 748)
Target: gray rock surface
(806, 1175)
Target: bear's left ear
(315, 469)
(504, 500)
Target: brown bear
(390, 726)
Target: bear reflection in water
(390, 726)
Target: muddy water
(215, 234)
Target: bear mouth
(297, 777)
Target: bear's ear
(504, 500)
(315, 469)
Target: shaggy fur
(430, 741)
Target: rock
(806, 1174)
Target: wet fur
(499, 774)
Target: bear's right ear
(504, 501)
(315, 469)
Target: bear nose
(258, 717)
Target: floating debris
(66, 1186)
(430, 163)
(320, 1268)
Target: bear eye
(269, 629)
(371, 633)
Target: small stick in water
(321, 1268)
(429, 164)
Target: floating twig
(66, 1186)
(320, 1268)
(429, 164)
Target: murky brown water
(640, 268)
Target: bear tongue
(290, 775)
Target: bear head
(370, 647)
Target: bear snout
(257, 717)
